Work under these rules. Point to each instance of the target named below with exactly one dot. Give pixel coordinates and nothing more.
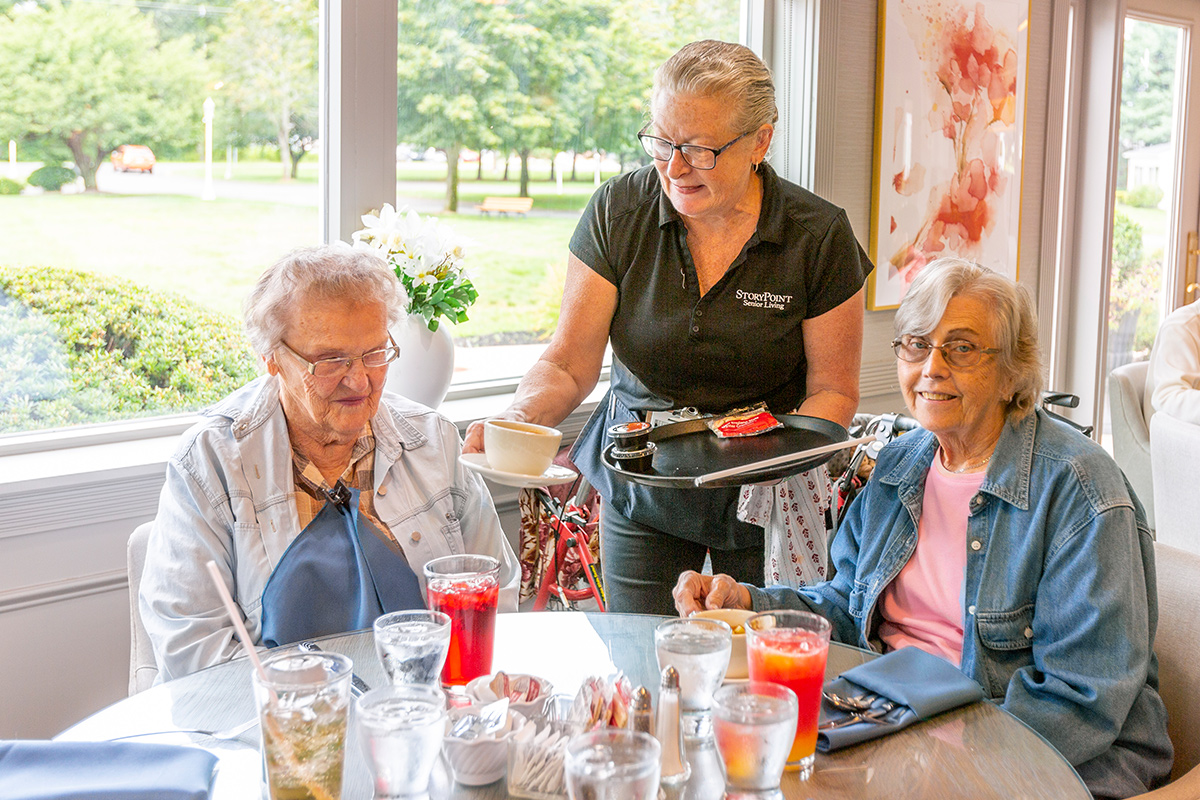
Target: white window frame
(1080, 339)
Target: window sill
(98, 481)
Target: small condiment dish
(635, 460)
(735, 618)
(484, 759)
(629, 436)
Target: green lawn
(213, 251)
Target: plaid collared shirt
(312, 488)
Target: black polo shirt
(742, 341)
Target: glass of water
(412, 646)
(402, 729)
(698, 649)
(754, 724)
(612, 764)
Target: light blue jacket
(228, 498)
(1060, 596)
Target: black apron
(704, 516)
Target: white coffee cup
(520, 447)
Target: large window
(161, 155)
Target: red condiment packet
(744, 422)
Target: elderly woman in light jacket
(307, 466)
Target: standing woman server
(719, 285)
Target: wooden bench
(505, 205)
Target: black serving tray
(689, 450)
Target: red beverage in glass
(466, 589)
(792, 653)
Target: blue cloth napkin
(41, 770)
(921, 684)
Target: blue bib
(336, 576)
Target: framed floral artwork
(950, 108)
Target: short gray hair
(1013, 320)
(722, 69)
(328, 272)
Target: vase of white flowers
(428, 259)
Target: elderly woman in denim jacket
(319, 497)
(999, 539)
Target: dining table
(978, 751)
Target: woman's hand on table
(695, 592)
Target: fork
(853, 719)
(225, 733)
(861, 702)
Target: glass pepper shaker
(668, 731)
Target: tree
(1147, 85)
(267, 62)
(546, 48)
(493, 75)
(451, 86)
(93, 78)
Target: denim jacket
(1060, 601)
(229, 498)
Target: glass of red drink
(466, 589)
(790, 648)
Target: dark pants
(640, 565)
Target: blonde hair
(722, 69)
(1012, 317)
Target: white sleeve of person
(792, 514)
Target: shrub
(107, 348)
(1127, 247)
(10, 186)
(1145, 196)
(51, 178)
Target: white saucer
(477, 462)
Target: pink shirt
(923, 606)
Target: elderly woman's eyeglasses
(695, 155)
(337, 367)
(959, 353)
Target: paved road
(171, 179)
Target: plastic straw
(236, 618)
(289, 754)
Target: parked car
(129, 157)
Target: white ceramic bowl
(481, 694)
(733, 617)
(520, 447)
(478, 762)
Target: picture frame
(949, 130)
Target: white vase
(426, 363)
